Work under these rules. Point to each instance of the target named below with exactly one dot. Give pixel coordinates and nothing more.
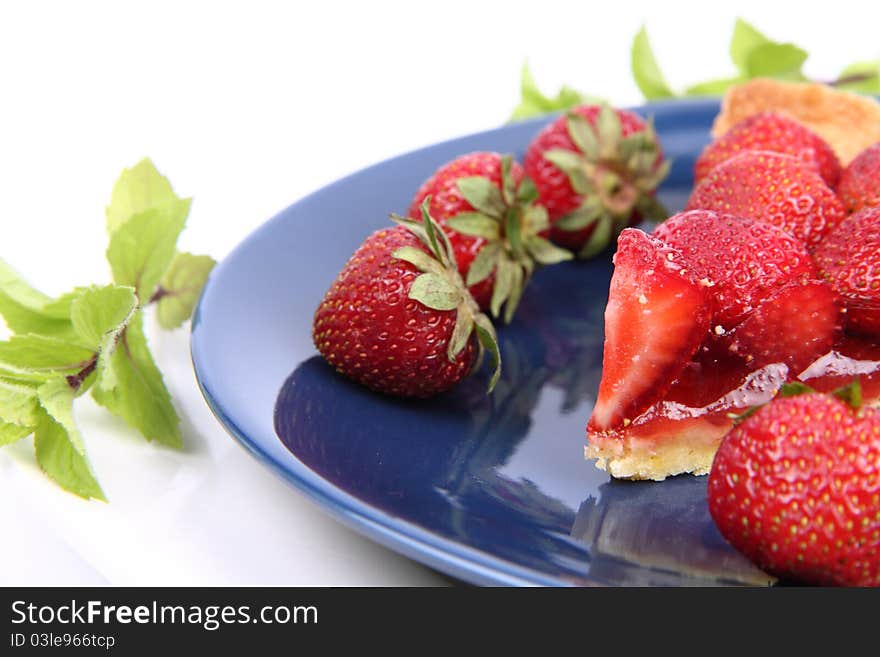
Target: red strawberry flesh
(746, 260)
(794, 326)
(656, 317)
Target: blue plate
(492, 490)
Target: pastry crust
(848, 122)
(689, 450)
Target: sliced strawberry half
(657, 316)
(795, 326)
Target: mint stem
(76, 380)
(855, 78)
(158, 294)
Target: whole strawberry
(860, 182)
(399, 319)
(796, 488)
(850, 259)
(596, 170)
(745, 260)
(485, 205)
(768, 131)
(775, 188)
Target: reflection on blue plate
(493, 490)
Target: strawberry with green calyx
(486, 207)
(596, 170)
(794, 486)
(399, 318)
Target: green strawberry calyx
(615, 175)
(440, 287)
(510, 221)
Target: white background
(247, 107)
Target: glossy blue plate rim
(443, 554)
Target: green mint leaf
(18, 403)
(56, 398)
(26, 310)
(17, 289)
(101, 311)
(180, 288)
(138, 394)
(645, 70)
(10, 433)
(38, 357)
(99, 316)
(61, 451)
(713, 87)
(861, 77)
(776, 60)
(139, 189)
(534, 103)
(745, 39)
(142, 249)
(60, 454)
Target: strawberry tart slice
(706, 318)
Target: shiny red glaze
(713, 385)
(745, 260)
(657, 316)
(779, 189)
(794, 326)
(850, 259)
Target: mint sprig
(534, 102)
(92, 338)
(752, 53)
